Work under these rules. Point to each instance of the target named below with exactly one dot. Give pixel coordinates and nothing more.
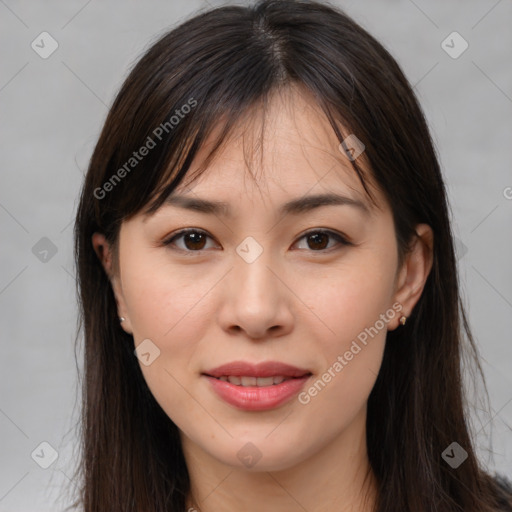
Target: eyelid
(341, 238)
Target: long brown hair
(221, 63)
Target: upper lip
(264, 369)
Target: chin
(257, 454)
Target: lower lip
(254, 398)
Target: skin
(299, 303)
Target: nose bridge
(253, 277)
(256, 301)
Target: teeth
(248, 381)
(253, 381)
(263, 381)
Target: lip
(264, 369)
(256, 398)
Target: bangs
(233, 125)
(195, 85)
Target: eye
(317, 239)
(194, 240)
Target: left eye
(194, 239)
(318, 237)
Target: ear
(104, 252)
(414, 273)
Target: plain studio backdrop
(61, 65)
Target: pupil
(194, 237)
(315, 240)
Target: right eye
(193, 239)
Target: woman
(287, 338)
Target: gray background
(52, 111)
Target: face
(315, 288)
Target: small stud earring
(403, 319)
(121, 319)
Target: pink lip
(255, 398)
(265, 369)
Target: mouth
(260, 382)
(246, 370)
(256, 387)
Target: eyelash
(340, 239)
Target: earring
(121, 319)
(403, 319)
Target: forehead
(290, 150)
(286, 139)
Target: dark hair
(223, 63)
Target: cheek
(351, 355)
(168, 308)
(353, 305)
(338, 396)
(352, 295)
(165, 304)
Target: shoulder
(503, 493)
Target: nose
(257, 300)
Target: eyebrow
(294, 207)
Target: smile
(256, 393)
(253, 381)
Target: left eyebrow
(297, 206)
(308, 203)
